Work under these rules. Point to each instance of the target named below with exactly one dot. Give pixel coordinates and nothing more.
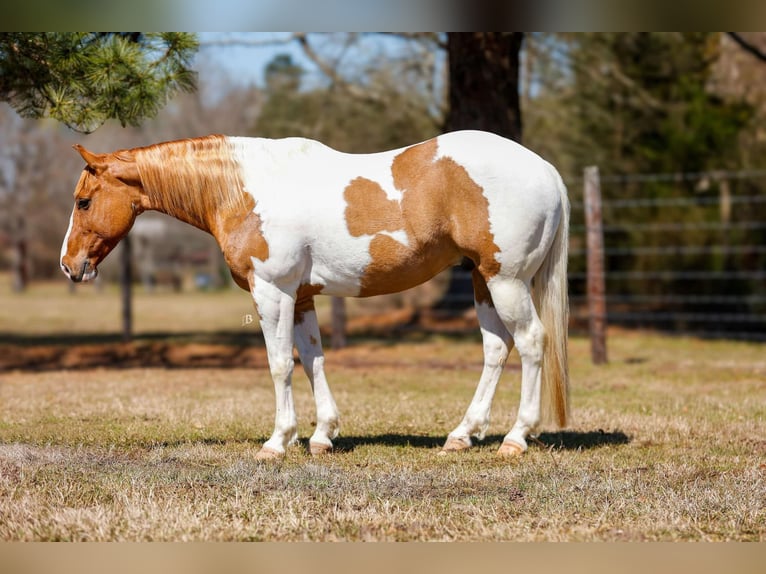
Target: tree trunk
(484, 82)
(483, 95)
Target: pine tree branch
(83, 79)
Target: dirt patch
(397, 322)
(129, 355)
(232, 352)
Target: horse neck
(198, 220)
(196, 181)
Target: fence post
(338, 322)
(596, 278)
(126, 289)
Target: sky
(244, 63)
(243, 56)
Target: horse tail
(552, 302)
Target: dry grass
(668, 440)
(668, 444)
(49, 309)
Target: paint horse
(295, 218)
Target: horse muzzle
(84, 273)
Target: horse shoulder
(241, 240)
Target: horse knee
(281, 368)
(316, 365)
(495, 353)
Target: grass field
(668, 442)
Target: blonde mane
(192, 178)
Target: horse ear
(94, 160)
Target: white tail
(552, 302)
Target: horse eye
(83, 203)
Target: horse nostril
(66, 269)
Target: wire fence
(683, 252)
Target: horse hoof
(267, 453)
(454, 445)
(510, 449)
(318, 448)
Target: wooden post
(126, 288)
(338, 336)
(596, 278)
(19, 262)
(725, 212)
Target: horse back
(381, 223)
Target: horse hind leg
(514, 306)
(497, 343)
(309, 344)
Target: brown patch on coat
(481, 293)
(240, 235)
(443, 212)
(368, 210)
(304, 301)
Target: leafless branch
(332, 73)
(611, 68)
(747, 46)
(248, 42)
(431, 37)
(329, 67)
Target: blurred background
(675, 124)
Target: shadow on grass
(349, 443)
(563, 440)
(574, 440)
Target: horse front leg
(309, 343)
(276, 310)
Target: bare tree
(748, 46)
(29, 185)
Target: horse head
(107, 199)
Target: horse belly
(376, 266)
(395, 267)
